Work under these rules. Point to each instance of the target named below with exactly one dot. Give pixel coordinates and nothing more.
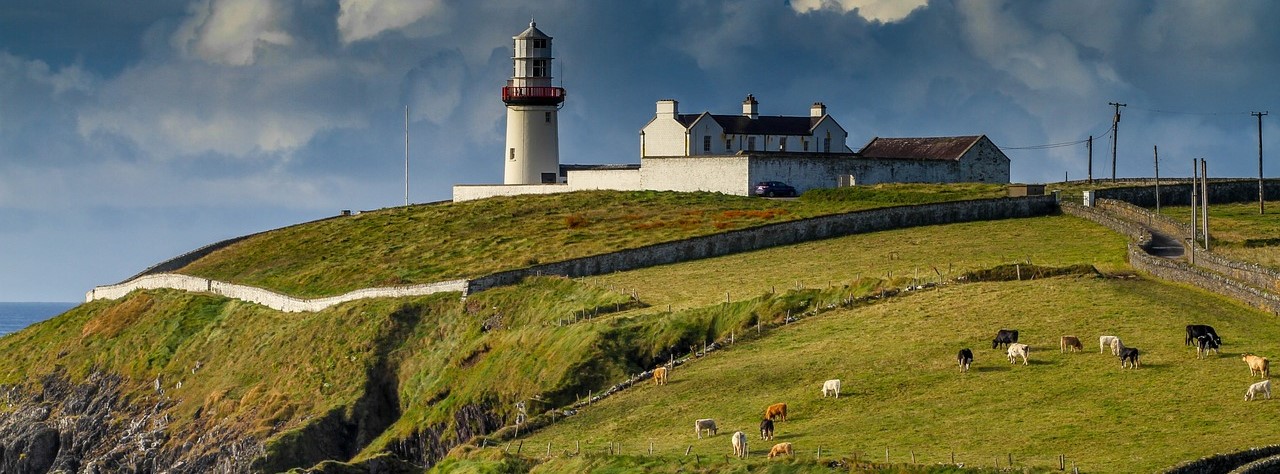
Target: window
(826, 145)
(548, 178)
(706, 144)
(806, 144)
(539, 68)
(538, 43)
(512, 155)
(751, 143)
(548, 117)
(728, 144)
(782, 144)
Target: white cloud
(884, 11)
(230, 31)
(363, 19)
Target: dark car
(774, 188)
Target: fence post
(1010, 460)
(611, 448)
(687, 450)
(577, 447)
(519, 446)
(913, 456)
(548, 449)
(819, 453)
(886, 455)
(651, 448)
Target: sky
(137, 130)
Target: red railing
(538, 93)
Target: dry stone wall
(263, 297)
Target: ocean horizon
(16, 316)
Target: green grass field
(429, 243)
(1238, 231)
(902, 390)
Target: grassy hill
(409, 378)
(424, 244)
(1238, 231)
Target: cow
(1016, 350)
(781, 449)
(777, 411)
(1206, 343)
(1196, 330)
(1129, 357)
(705, 424)
(1068, 343)
(1107, 341)
(740, 444)
(1117, 347)
(1263, 387)
(766, 429)
(965, 358)
(831, 387)
(1257, 365)
(1004, 337)
(660, 376)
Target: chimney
(817, 110)
(668, 108)
(750, 107)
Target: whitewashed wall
(724, 174)
(263, 297)
(663, 136)
(618, 180)
(468, 192)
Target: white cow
(707, 424)
(1018, 349)
(831, 388)
(1106, 341)
(1263, 387)
(740, 444)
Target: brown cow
(781, 449)
(1257, 365)
(660, 376)
(776, 411)
(1069, 343)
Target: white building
(533, 144)
(671, 133)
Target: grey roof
(920, 148)
(761, 125)
(532, 32)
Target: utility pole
(406, 155)
(1156, 149)
(1204, 200)
(1195, 204)
(1261, 198)
(1090, 159)
(1115, 135)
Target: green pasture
(903, 392)
(429, 243)
(1238, 231)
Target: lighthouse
(532, 155)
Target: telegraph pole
(406, 155)
(1115, 135)
(1090, 159)
(1261, 198)
(1156, 150)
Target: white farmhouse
(671, 133)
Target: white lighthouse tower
(533, 145)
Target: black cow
(1196, 330)
(766, 429)
(1004, 337)
(1206, 343)
(1129, 356)
(965, 358)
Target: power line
(1059, 144)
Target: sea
(16, 316)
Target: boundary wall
(744, 240)
(1220, 463)
(1221, 191)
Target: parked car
(774, 188)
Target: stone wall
(1213, 282)
(1220, 463)
(1220, 191)
(263, 297)
(1135, 232)
(784, 233)
(715, 173)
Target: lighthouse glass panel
(539, 68)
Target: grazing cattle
(1070, 343)
(705, 424)
(781, 449)
(1196, 330)
(965, 358)
(1016, 350)
(1004, 337)
(831, 387)
(777, 411)
(1263, 387)
(660, 376)
(1117, 347)
(1257, 365)
(766, 429)
(1204, 344)
(740, 444)
(1129, 357)
(1108, 341)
